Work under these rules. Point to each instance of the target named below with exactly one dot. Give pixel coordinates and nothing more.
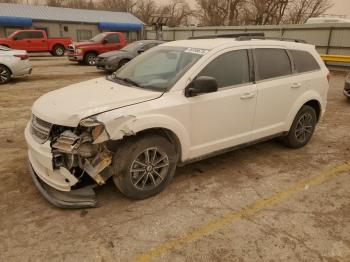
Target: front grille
(71, 49)
(40, 129)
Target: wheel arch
(122, 127)
(57, 44)
(310, 98)
(7, 68)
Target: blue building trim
(120, 26)
(15, 21)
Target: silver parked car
(13, 63)
(111, 61)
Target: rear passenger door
(224, 118)
(36, 41)
(277, 90)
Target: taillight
(22, 57)
(329, 76)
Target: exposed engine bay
(75, 149)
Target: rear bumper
(80, 198)
(22, 68)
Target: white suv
(179, 102)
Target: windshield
(132, 47)
(98, 38)
(4, 48)
(159, 68)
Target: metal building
(78, 24)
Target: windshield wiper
(125, 80)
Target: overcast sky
(341, 7)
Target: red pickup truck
(36, 41)
(86, 52)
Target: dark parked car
(113, 60)
(347, 87)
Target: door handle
(247, 95)
(296, 85)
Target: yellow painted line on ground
(228, 218)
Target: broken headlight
(96, 128)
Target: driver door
(224, 118)
(20, 41)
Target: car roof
(213, 43)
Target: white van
(177, 103)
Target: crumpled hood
(68, 105)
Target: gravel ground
(247, 205)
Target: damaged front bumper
(58, 185)
(79, 198)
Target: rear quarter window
(304, 61)
(272, 63)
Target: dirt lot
(262, 203)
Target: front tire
(5, 75)
(144, 166)
(90, 59)
(302, 128)
(58, 50)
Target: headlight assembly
(97, 128)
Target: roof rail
(244, 38)
(252, 35)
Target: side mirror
(15, 38)
(201, 85)
(141, 50)
(104, 41)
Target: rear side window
(271, 63)
(35, 35)
(112, 39)
(304, 61)
(231, 68)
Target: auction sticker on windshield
(198, 51)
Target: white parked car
(13, 63)
(177, 103)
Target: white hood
(68, 105)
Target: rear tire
(302, 128)
(90, 59)
(58, 50)
(144, 166)
(5, 75)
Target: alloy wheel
(92, 60)
(59, 51)
(4, 75)
(149, 169)
(304, 128)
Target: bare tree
(263, 12)
(301, 10)
(144, 10)
(119, 5)
(179, 12)
(222, 12)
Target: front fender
(306, 97)
(130, 125)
